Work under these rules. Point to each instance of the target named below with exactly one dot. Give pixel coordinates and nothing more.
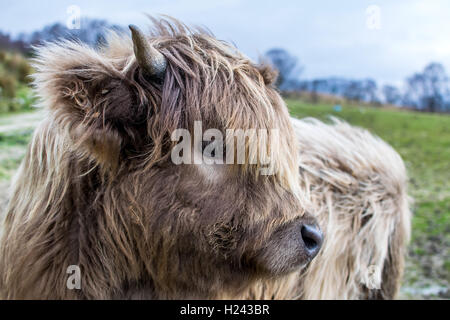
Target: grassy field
(423, 140)
(15, 133)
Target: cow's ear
(268, 73)
(109, 118)
(90, 99)
(95, 98)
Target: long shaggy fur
(81, 196)
(357, 184)
(357, 187)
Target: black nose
(312, 238)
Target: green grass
(12, 150)
(423, 141)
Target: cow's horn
(152, 62)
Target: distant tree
(287, 66)
(391, 94)
(315, 88)
(7, 43)
(428, 90)
(92, 32)
(354, 91)
(413, 92)
(359, 90)
(369, 91)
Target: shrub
(15, 94)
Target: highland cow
(98, 190)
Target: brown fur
(97, 188)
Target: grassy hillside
(15, 94)
(423, 141)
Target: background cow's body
(357, 184)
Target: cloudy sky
(385, 40)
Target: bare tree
(391, 94)
(287, 65)
(428, 90)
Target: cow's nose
(312, 238)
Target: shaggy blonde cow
(98, 191)
(356, 185)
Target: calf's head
(190, 230)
